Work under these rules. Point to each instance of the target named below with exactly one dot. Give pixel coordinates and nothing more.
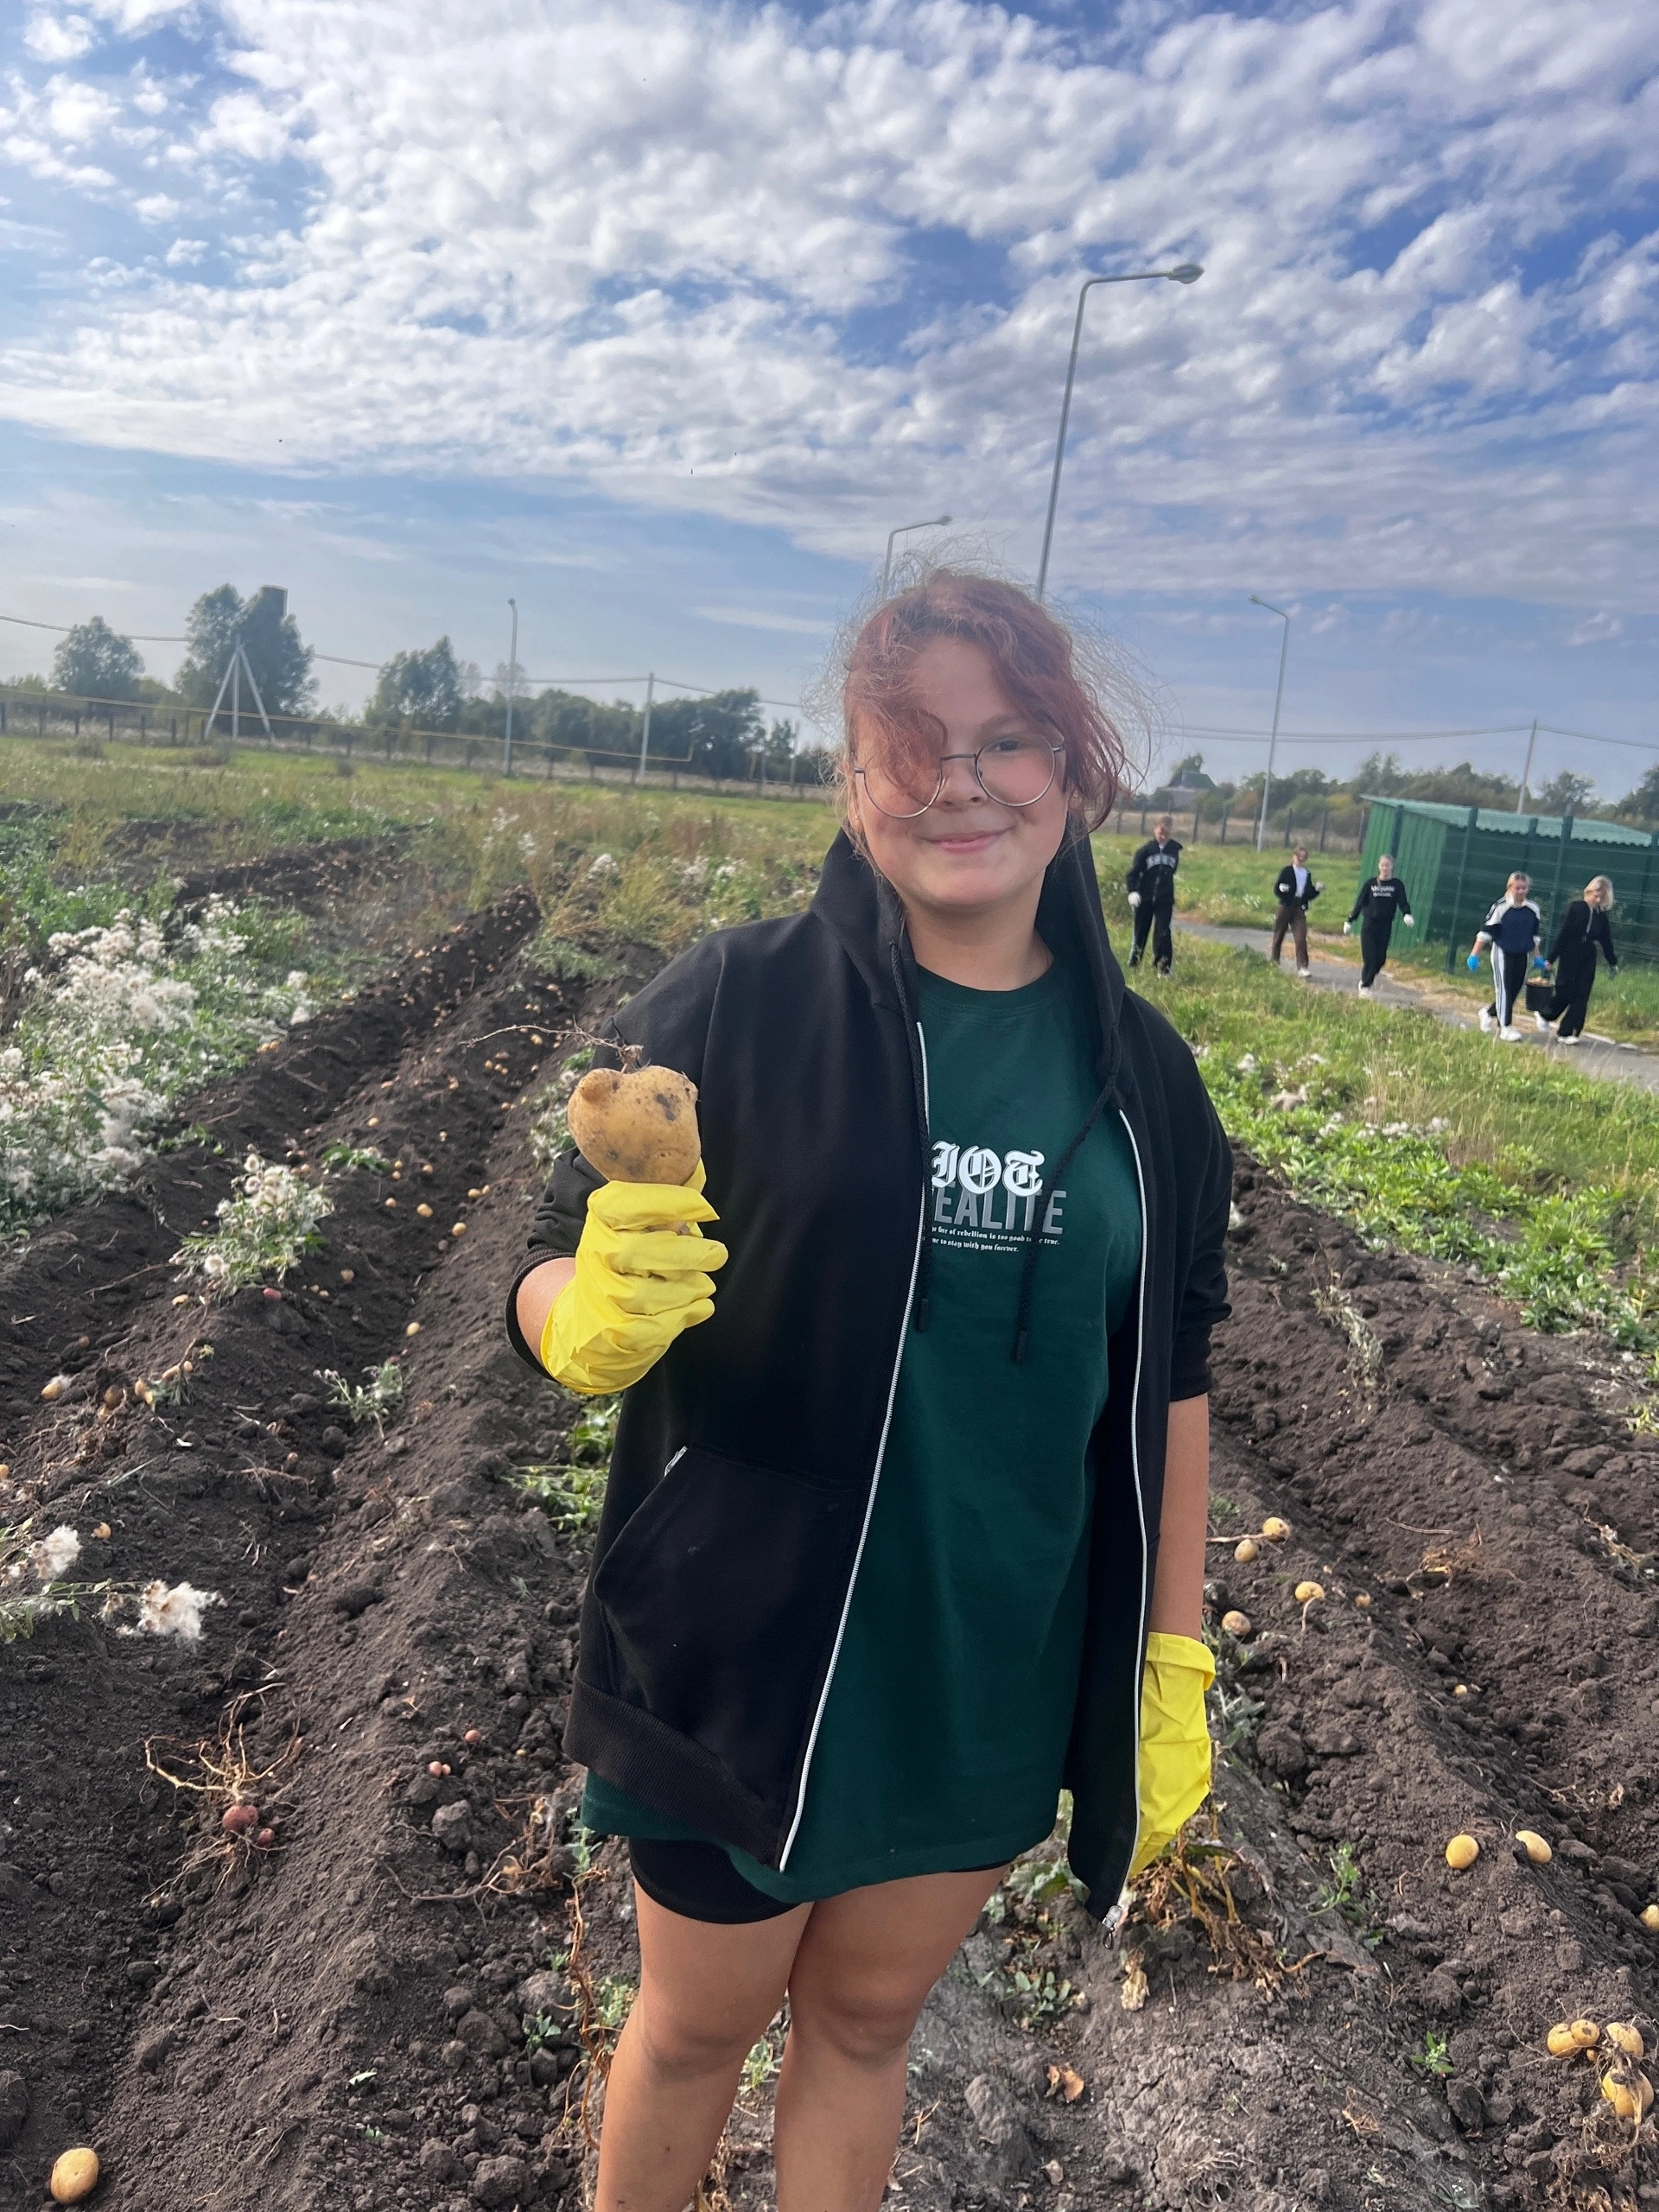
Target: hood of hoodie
(865, 915)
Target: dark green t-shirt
(945, 1732)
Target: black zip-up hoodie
(746, 1461)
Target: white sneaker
(1569, 1040)
(1306, 974)
(1487, 1021)
(1509, 1036)
(1543, 1026)
(1364, 990)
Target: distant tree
(1565, 794)
(280, 661)
(1381, 775)
(1642, 803)
(94, 662)
(424, 689)
(1188, 775)
(718, 735)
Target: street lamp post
(1188, 273)
(937, 523)
(512, 685)
(1278, 697)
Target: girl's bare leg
(706, 1995)
(860, 1978)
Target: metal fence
(1455, 861)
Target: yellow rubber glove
(644, 1273)
(1174, 1741)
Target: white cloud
(156, 207)
(765, 618)
(690, 255)
(58, 38)
(1599, 629)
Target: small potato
(1562, 2041)
(1586, 2034)
(413, 1330)
(1624, 2037)
(1308, 1593)
(1246, 1551)
(1533, 1845)
(1629, 2092)
(460, 1229)
(1236, 1624)
(1275, 1530)
(237, 1820)
(637, 1126)
(1363, 1599)
(74, 2176)
(1462, 1852)
(1651, 1918)
(424, 1211)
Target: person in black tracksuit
(1151, 885)
(1512, 933)
(1584, 927)
(1295, 890)
(1383, 901)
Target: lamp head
(1188, 273)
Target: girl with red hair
(905, 1527)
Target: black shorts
(699, 1881)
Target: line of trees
(723, 734)
(1382, 775)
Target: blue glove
(1473, 962)
(1539, 962)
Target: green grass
(1420, 1134)
(1424, 1136)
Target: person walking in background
(1583, 927)
(1511, 932)
(1151, 885)
(1295, 892)
(1382, 899)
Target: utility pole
(1526, 774)
(512, 685)
(644, 730)
(1272, 741)
(231, 680)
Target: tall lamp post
(512, 685)
(937, 522)
(1188, 273)
(1278, 697)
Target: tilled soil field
(399, 1999)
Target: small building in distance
(1455, 860)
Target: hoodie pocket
(721, 1595)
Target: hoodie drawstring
(922, 1305)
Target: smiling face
(1385, 867)
(967, 857)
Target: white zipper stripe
(1135, 1462)
(875, 1482)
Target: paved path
(1596, 1056)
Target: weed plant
(571, 1491)
(265, 1229)
(372, 1400)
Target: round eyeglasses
(1013, 771)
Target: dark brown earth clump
(380, 2007)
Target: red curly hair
(1036, 662)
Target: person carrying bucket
(1511, 932)
(1583, 927)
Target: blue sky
(659, 317)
